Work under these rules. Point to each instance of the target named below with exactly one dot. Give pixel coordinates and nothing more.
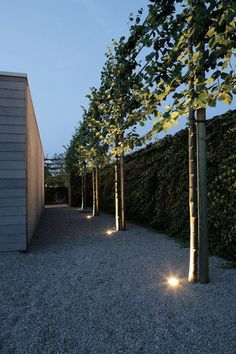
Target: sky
(61, 45)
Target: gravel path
(80, 291)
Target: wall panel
(21, 164)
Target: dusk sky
(61, 44)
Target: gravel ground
(80, 291)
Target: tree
(204, 45)
(117, 108)
(187, 68)
(87, 153)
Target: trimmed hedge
(157, 185)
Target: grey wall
(21, 165)
(12, 164)
(35, 169)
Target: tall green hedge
(157, 185)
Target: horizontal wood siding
(13, 211)
(12, 120)
(12, 147)
(12, 155)
(13, 192)
(15, 201)
(12, 183)
(12, 138)
(13, 242)
(13, 129)
(12, 164)
(12, 174)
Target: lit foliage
(115, 100)
(128, 96)
(87, 150)
(209, 24)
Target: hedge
(156, 185)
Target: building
(21, 164)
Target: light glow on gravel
(173, 281)
(89, 216)
(109, 232)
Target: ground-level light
(173, 281)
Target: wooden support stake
(97, 191)
(122, 191)
(94, 192)
(202, 196)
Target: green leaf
(208, 81)
(167, 125)
(196, 55)
(225, 97)
(174, 115)
(210, 32)
(167, 107)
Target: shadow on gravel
(62, 227)
(58, 225)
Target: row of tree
(187, 67)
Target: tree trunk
(202, 196)
(97, 191)
(117, 212)
(85, 189)
(94, 192)
(192, 148)
(122, 191)
(69, 189)
(82, 191)
(192, 276)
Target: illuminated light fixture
(109, 232)
(89, 216)
(173, 281)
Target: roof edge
(6, 73)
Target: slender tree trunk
(94, 193)
(192, 148)
(122, 191)
(69, 189)
(202, 196)
(85, 189)
(82, 192)
(97, 191)
(192, 276)
(117, 212)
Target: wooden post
(122, 190)
(69, 189)
(97, 191)
(202, 196)
(82, 191)
(201, 157)
(94, 192)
